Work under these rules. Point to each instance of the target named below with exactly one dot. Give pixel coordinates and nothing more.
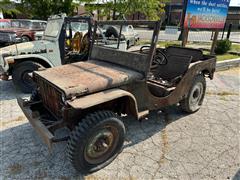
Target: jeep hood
(87, 77)
(34, 47)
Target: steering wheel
(159, 58)
(141, 49)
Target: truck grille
(51, 97)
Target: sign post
(206, 14)
(214, 43)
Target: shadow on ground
(25, 156)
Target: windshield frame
(154, 40)
(60, 22)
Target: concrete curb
(227, 64)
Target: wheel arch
(208, 73)
(116, 100)
(38, 59)
(26, 35)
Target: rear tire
(96, 141)
(20, 76)
(112, 31)
(194, 99)
(25, 39)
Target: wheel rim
(196, 96)
(101, 145)
(25, 39)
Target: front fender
(37, 56)
(92, 100)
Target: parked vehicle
(89, 97)
(57, 47)
(128, 34)
(5, 23)
(22, 30)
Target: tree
(8, 8)
(42, 9)
(119, 8)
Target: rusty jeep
(92, 98)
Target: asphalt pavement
(167, 145)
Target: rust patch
(15, 168)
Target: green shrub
(223, 46)
(172, 44)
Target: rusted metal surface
(182, 87)
(87, 77)
(50, 97)
(102, 97)
(135, 61)
(41, 129)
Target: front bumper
(35, 120)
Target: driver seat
(175, 67)
(76, 41)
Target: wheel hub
(100, 145)
(196, 94)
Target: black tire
(112, 31)
(128, 44)
(194, 99)
(80, 146)
(25, 39)
(20, 76)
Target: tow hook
(4, 77)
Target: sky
(235, 3)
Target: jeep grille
(51, 97)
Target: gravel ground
(167, 145)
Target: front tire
(194, 99)
(96, 141)
(21, 78)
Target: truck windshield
(53, 28)
(79, 26)
(5, 24)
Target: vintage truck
(92, 98)
(62, 43)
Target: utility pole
(185, 2)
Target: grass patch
(223, 57)
(226, 56)
(223, 93)
(235, 47)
